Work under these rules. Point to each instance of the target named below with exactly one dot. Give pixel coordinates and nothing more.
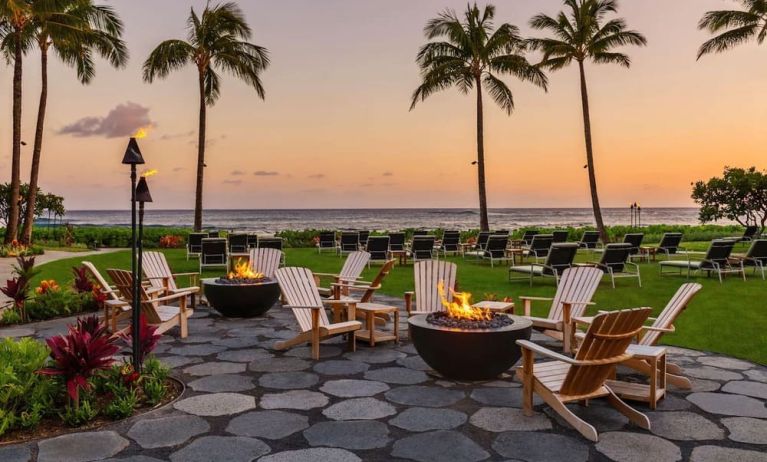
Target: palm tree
(218, 39)
(740, 26)
(15, 15)
(472, 56)
(74, 30)
(585, 35)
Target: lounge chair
(194, 244)
(160, 276)
(584, 377)
(576, 288)
(501, 232)
(396, 242)
(539, 246)
(615, 262)
(214, 234)
(422, 248)
(326, 241)
(559, 236)
(451, 243)
(717, 260)
(265, 261)
(428, 274)
(300, 293)
(213, 253)
(589, 240)
(527, 236)
(495, 249)
(479, 244)
(349, 242)
(270, 242)
(749, 234)
(635, 240)
(378, 248)
(238, 243)
(420, 232)
(756, 256)
(351, 271)
(652, 334)
(669, 245)
(560, 258)
(157, 311)
(252, 241)
(363, 238)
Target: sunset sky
(335, 130)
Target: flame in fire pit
(242, 271)
(460, 307)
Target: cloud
(265, 173)
(387, 174)
(121, 121)
(237, 173)
(170, 136)
(232, 181)
(317, 176)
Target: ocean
(269, 221)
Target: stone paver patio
(245, 402)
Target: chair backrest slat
(155, 266)
(428, 275)
(576, 285)
(95, 274)
(367, 296)
(354, 265)
(265, 261)
(123, 280)
(299, 289)
(673, 309)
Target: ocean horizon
(272, 220)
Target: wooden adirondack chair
(160, 276)
(265, 260)
(302, 296)
(574, 292)
(566, 380)
(157, 313)
(353, 266)
(428, 274)
(115, 309)
(652, 334)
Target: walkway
(244, 402)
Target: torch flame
(150, 172)
(462, 309)
(141, 132)
(242, 271)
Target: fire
(150, 172)
(461, 307)
(242, 271)
(141, 132)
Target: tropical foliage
(218, 40)
(584, 33)
(470, 53)
(734, 27)
(739, 195)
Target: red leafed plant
(147, 337)
(82, 282)
(170, 242)
(86, 349)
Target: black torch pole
(136, 303)
(139, 270)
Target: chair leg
(584, 428)
(633, 415)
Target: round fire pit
(241, 299)
(469, 354)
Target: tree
(51, 202)
(738, 26)
(74, 30)
(217, 40)
(472, 56)
(585, 35)
(739, 195)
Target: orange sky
(335, 130)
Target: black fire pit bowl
(469, 354)
(241, 300)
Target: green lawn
(730, 318)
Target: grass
(727, 318)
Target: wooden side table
(515, 252)
(370, 334)
(656, 389)
(401, 255)
(497, 307)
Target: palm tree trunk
(590, 157)
(200, 157)
(483, 221)
(29, 219)
(12, 227)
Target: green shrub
(10, 316)
(60, 302)
(154, 390)
(25, 395)
(75, 416)
(122, 405)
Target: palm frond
(168, 56)
(212, 86)
(727, 40)
(500, 93)
(611, 58)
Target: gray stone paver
(383, 403)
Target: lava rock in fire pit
(241, 297)
(238, 281)
(443, 319)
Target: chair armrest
(670, 330)
(586, 320)
(327, 275)
(116, 303)
(340, 302)
(196, 273)
(578, 303)
(167, 298)
(156, 277)
(352, 286)
(528, 345)
(540, 299)
(298, 307)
